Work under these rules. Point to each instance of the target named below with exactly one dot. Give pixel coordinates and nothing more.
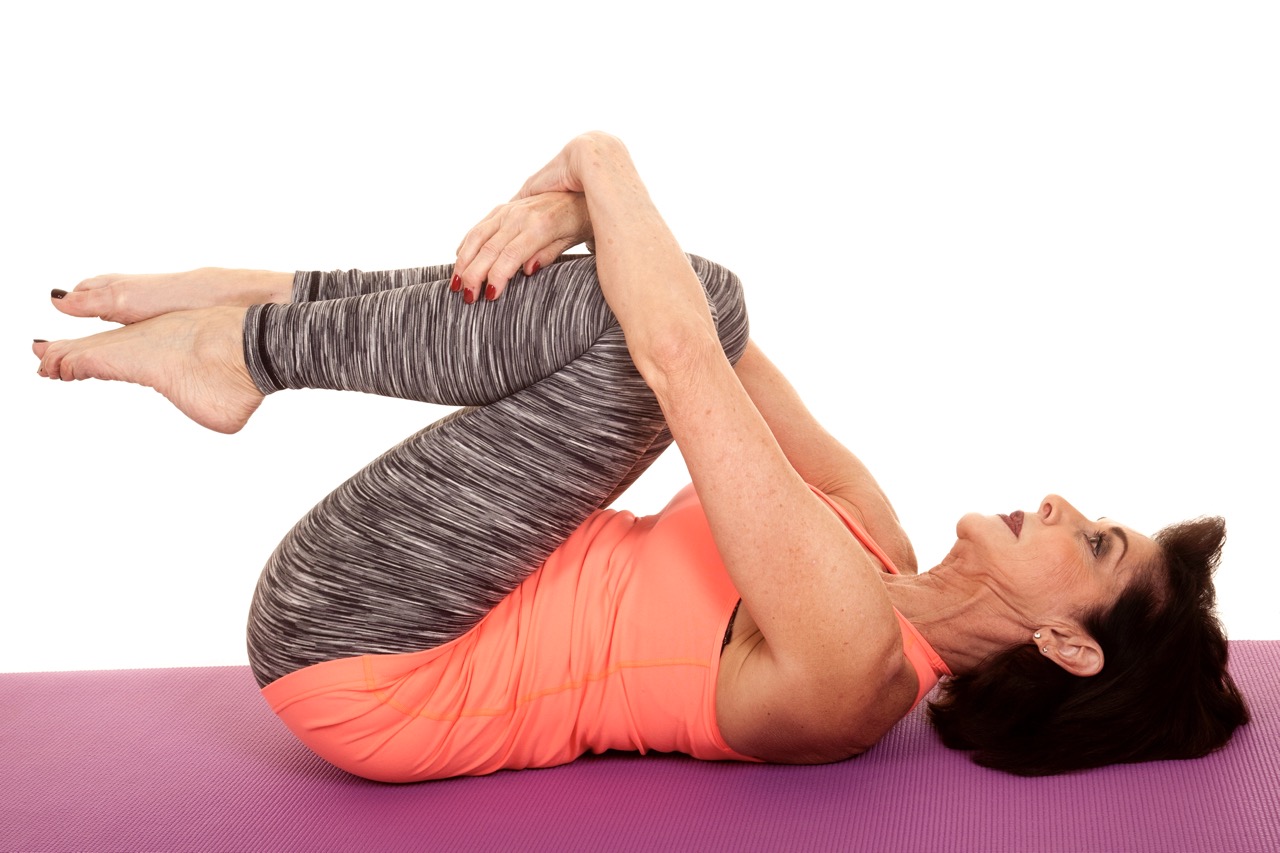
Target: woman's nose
(1054, 508)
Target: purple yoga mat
(192, 759)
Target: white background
(1001, 250)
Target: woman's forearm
(644, 274)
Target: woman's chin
(970, 525)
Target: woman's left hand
(527, 233)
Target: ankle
(275, 287)
(242, 288)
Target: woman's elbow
(678, 358)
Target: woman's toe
(82, 303)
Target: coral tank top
(614, 643)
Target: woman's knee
(728, 305)
(577, 282)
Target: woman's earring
(1045, 650)
(1036, 635)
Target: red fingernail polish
(469, 297)
(491, 293)
(456, 284)
(536, 266)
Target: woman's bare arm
(819, 458)
(831, 641)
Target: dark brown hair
(1164, 691)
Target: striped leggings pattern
(418, 546)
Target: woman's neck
(963, 619)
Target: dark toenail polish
(39, 341)
(57, 294)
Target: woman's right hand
(527, 233)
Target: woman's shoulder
(799, 724)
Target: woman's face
(1054, 562)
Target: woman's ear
(1071, 647)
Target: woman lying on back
(467, 603)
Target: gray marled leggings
(417, 547)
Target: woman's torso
(614, 643)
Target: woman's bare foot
(195, 358)
(132, 298)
